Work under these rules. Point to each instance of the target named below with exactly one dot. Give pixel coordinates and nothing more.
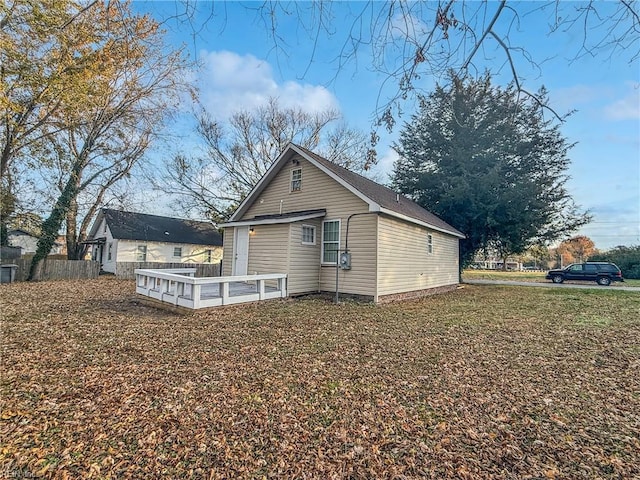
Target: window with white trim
(308, 235)
(429, 243)
(109, 251)
(296, 180)
(141, 253)
(330, 241)
(177, 252)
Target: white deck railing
(179, 286)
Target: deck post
(282, 286)
(261, 289)
(225, 292)
(195, 295)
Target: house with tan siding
(329, 228)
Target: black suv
(600, 272)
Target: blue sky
(241, 68)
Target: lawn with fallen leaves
(486, 382)
(533, 277)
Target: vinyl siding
(108, 265)
(318, 191)
(268, 250)
(28, 243)
(126, 251)
(304, 260)
(227, 255)
(361, 279)
(404, 265)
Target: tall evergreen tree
(487, 161)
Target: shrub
(627, 258)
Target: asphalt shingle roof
(383, 196)
(300, 213)
(154, 228)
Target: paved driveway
(551, 285)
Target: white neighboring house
(28, 242)
(119, 236)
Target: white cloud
(576, 97)
(405, 25)
(230, 82)
(604, 101)
(388, 159)
(627, 108)
(384, 168)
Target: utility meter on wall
(345, 261)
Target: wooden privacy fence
(9, 253)
(57, 269)
(80, 269)
(127, 269)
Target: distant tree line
(576, 249)
(627, 258)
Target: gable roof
(379, 198)
(272, 219)
(19, 231)
(154, 228)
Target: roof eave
(96, 223)
(373, 206)
(266, 178)
(273, 221)
(421, 223)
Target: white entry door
(240, 250)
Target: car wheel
(557, 279)
(604, 281)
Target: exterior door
(240, 250)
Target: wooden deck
(236, 289)
(180, 288)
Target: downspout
(346, 238)
(346, 248)
(338, 269)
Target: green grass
(526, 277)
(460, 385)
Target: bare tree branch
(239, 155)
